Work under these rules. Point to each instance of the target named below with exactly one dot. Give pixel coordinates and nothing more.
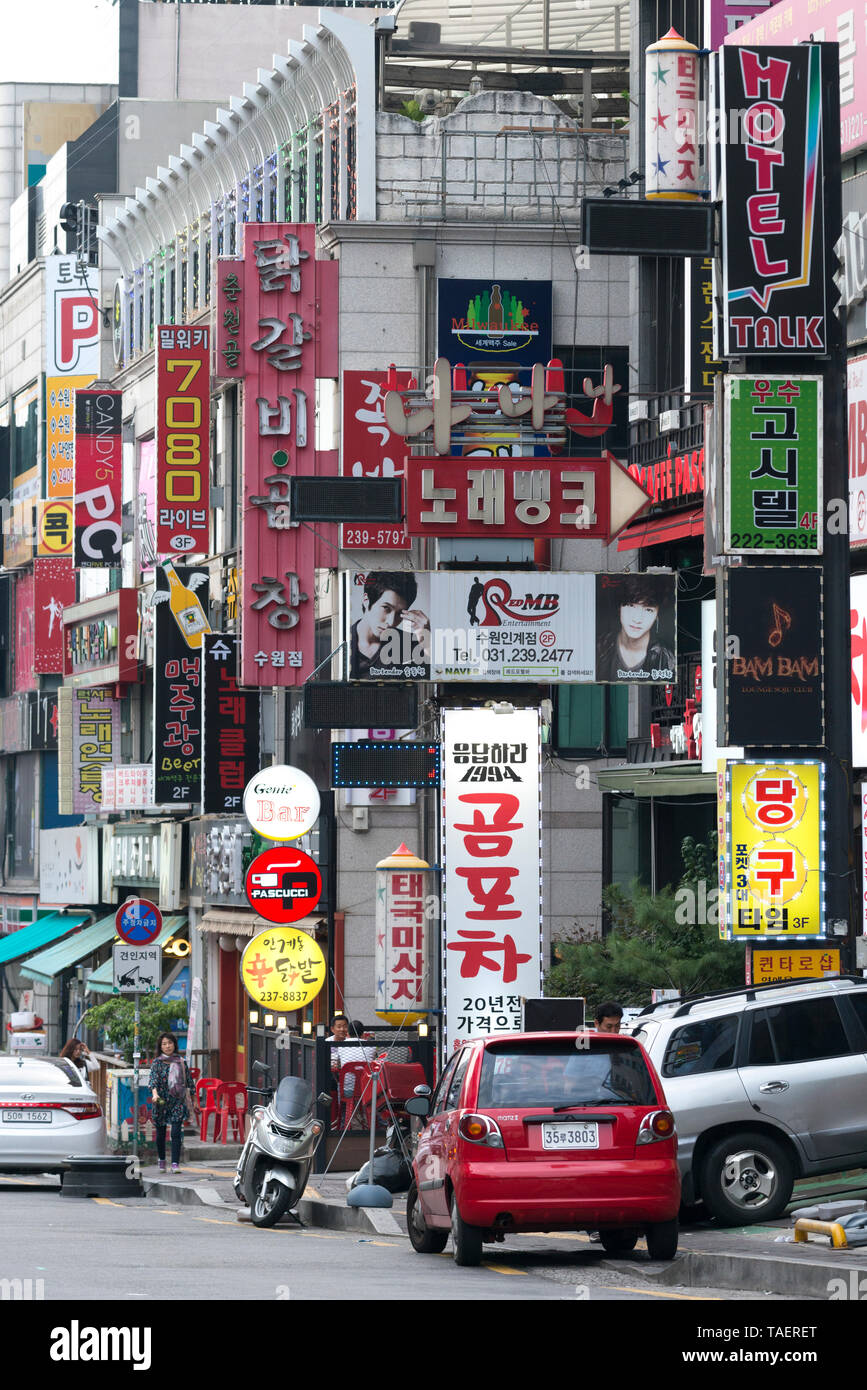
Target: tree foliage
(654, 943)
(116, 1019)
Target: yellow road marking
(165, 1211)
(657, 1293)
(502, 1269)
(106, 1202)
(25, 1182)
(214, 1172)
(213, 1221)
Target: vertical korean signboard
(774, 848)
(72, 325)
(492, 875)
(230, 727)
(98, 478)
(53, 590)
(773, 219)
(183, 437)
(773, 474)
(270, 324)
(369, 449)
(89, 743)
(179, 626)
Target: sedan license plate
(33, 1117)
(574, 1134)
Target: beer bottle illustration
(188, 612)
(495, 313)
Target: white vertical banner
(492, 870)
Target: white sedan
(48, 1113)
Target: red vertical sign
(53, 590)
(370, 450)
(183, 436)
(98, 478)
(268, 309)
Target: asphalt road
(142, 1250)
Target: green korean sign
(773, 465)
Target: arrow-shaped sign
(524, 498)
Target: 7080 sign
(183, 434)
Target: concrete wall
(499, 155)
(198, 51)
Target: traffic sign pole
(136, 1057)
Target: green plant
(412, 110)
(116, 1019)
(652, 944)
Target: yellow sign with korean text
(60, 433)
(775, 851)
(54, 527)
(282, 969)
(798, 964)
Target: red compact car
(545, 1132)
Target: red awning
(659, 529)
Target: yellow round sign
(283, 969)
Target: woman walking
(172, 1095)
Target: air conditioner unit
(637, 411)
(669, 420)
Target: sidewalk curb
(313, 1210)
(789, 1278)
(185, 1193)
(368, 1220)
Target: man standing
(608, 1017)
(477, 588)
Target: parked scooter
(278, 1154)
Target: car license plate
(33, 1117)
(571, 1135)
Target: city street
(142, 1250)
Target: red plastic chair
(232, 1109)
(207, 1090)
(357, 1094)
(399, 1080)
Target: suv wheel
(467, 1240)
(746, 1177)
(424, 1240)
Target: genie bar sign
(772, 178)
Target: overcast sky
(59, 41)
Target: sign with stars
(282, 970)
(671, 117)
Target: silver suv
(768, 1084)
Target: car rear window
(565, 1073)
(38, 1071)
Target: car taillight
(659, 1124)
(78, 1109)
(479, 1129)
(82, 1110)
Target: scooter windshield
(293, 1098)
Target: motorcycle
(278, 1153)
